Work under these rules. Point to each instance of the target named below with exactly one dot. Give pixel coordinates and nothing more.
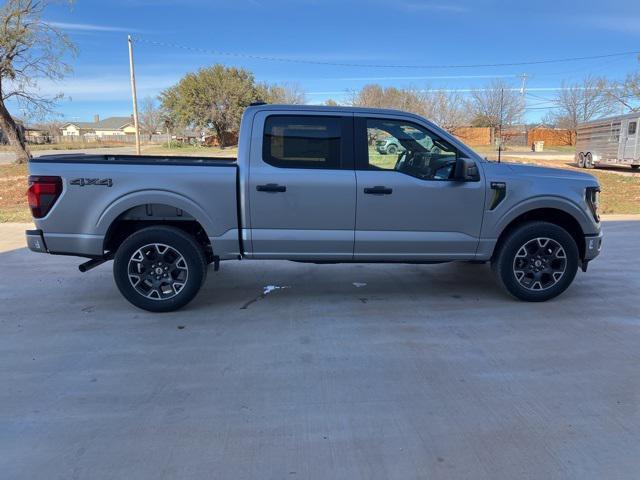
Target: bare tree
(447, 109)
(496, 105)
(330, 102)
(51, 128)
(407, 99)
(286, 93)
(151, 117)
(626, 92)
(30, 48)
(581, 102)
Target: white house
(100, 128)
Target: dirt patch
(13, 194)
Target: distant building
(100, 128)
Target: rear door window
(298, 141)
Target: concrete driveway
(350, 372)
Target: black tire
(635, 167)
(183, 261)
(588, 161)
(392, 149)
(514, 270)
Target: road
(347, 372)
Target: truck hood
(523, 169)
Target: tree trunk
(10, 129)
(220, 134)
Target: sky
(414, 39)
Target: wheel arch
(142, 209)
(554, 215)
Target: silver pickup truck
(309, 185)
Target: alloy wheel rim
(539, 264)
(158, 271)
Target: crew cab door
(409, 207)
(630, 135)
(301, 186)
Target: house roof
(110, 123)
(113, 123)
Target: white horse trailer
(609, 141)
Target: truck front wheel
(159, 269)
(536, 262)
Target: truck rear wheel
(159, 269)
(536, 262)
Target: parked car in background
(307, 187)
(392, 146)
(609, 141)
(389, 145)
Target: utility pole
(134, 96)
(523, 87)
(500, 125)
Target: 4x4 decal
(82, 182)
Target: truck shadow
(251, 287)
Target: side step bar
(93, 263)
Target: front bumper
(35, 241)
(592, 246)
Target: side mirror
(466, 170)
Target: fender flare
(143, 197)
(545, 202)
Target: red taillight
(43, 193)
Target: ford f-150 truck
(309, 186)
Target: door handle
(271, 187)
(378, 190)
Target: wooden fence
(552, 137)
(474, 135)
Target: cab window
(410, 149)
(302, 141)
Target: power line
(372, 65)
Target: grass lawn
(620, 194)
(190, 151)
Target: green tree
(212, 98)
(30, 49)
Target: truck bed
(100, 189)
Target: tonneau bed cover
(136, 159)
